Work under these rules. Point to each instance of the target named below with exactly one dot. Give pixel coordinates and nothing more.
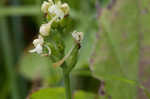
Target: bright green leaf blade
(49, 93)
(85, 95)
(59, 93)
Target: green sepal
(73, 58)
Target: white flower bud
(78, 36)
(45, 29)
(45, 7)
(51, 2)
(65, 8)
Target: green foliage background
(113, 61)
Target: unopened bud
(45, 29)
(78, 36)
(65, 8)
(45, 7)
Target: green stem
(67, 84)
(71, 62)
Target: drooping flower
(78, 36)
(38, 44)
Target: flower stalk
(66, 77)
(67, 68)
(67, 86)
(50, 42)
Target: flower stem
(67, 84)
(67, 68)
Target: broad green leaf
(33, 66)
(116, 51)
(49, 93)
(59, 93)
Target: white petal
(45, 7)
(65, 8)
(52, 9)
(32, 51)
(77, 36)
(39, 49)
(80, 35)
(55, 9)
(40, 40)
(51, 2)
(35, 42)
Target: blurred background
(114, 60)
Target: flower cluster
(55, 12)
